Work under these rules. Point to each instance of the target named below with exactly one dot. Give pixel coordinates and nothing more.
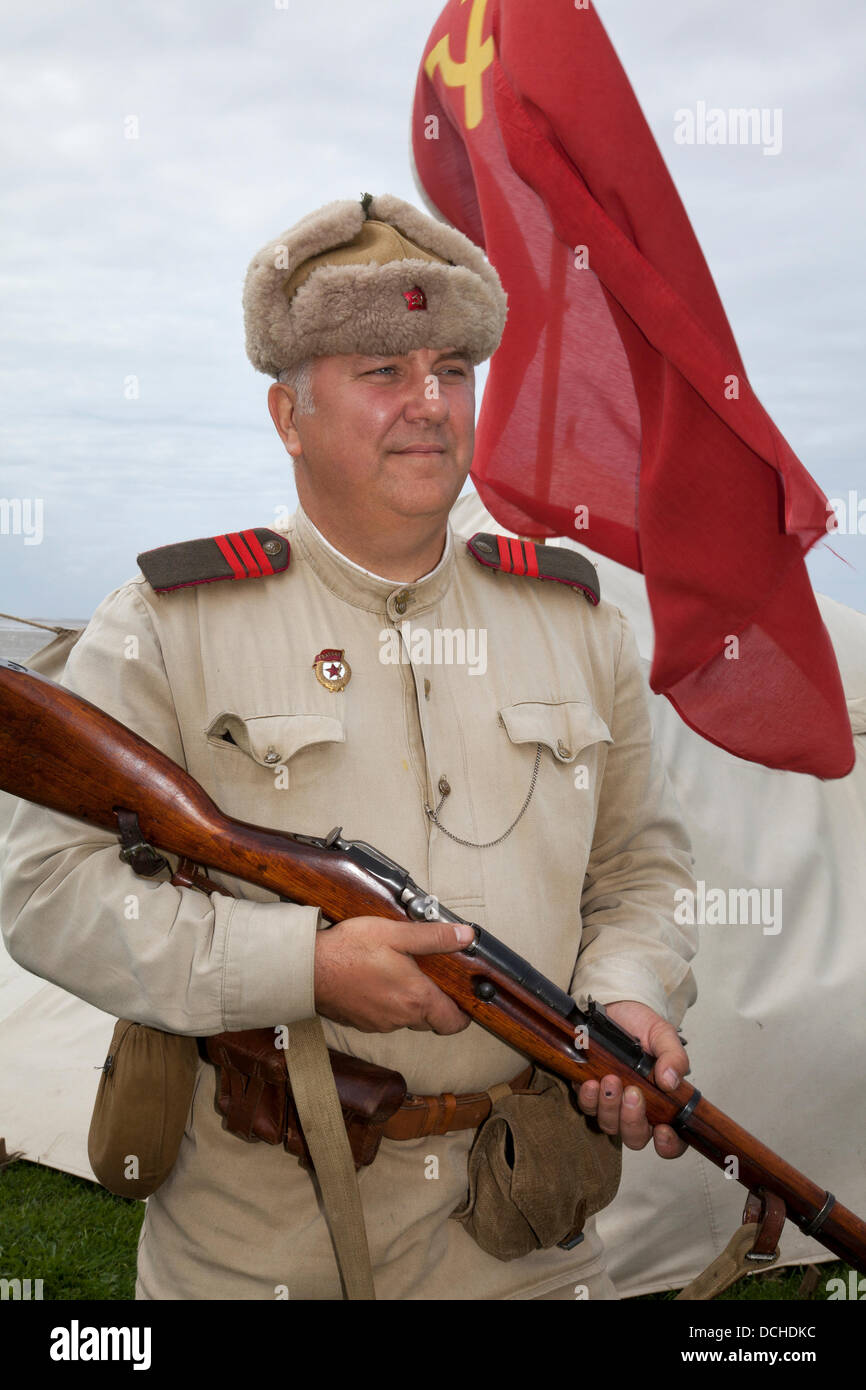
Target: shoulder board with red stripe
(237, 555)
(513, 556)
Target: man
(514, 777)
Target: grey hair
(300, 379)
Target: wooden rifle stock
(62, 752)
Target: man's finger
(587, 1096)
(432, 938)
(609, 1102)
(634, 1125)
(667, 1142)
(672, 1061)
(446, 1021)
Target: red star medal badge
(415, 298)
(332, 671)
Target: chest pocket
(271, 739)
(565, 727)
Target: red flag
(617, 410)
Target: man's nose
(425, 399)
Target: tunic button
(402, 600)
(444, 786)
(271, 756)
(272, 547)
(563, 750)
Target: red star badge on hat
(415, 298)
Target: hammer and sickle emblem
(467, 74)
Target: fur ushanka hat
(377, 277)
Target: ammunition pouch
(256, 1100)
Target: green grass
(81, 1242)
(77, 1238)
(774, 1286)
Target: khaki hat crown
(375, 276)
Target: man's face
(389, 435)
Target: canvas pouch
(538, 1169)
(141, 1109)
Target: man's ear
(281, 404)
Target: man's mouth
(421, 449)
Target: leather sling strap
(321, 1119)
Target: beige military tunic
(457, 676)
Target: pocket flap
(565, 728)
(274, 738)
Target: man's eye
(376, 370)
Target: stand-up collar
(359, 587)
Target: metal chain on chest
(471, 844)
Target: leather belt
(422, 1115)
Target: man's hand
(625, 1114)
(365, 975)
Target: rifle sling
(321, 1120)
(754, 1244)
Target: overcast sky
(124, 258)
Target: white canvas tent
(776, 1039)
(778, 1034)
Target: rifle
(99, 768)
